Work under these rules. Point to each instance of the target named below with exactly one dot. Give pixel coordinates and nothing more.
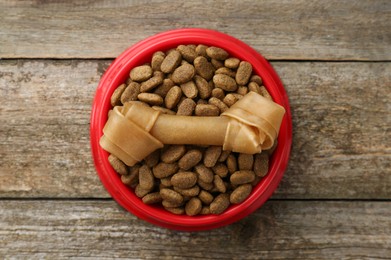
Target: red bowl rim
(140, 53)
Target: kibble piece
(184, 180)
(245, 161)
(183, 74)
(164, 110)
(218, 103)
(115, 99)
(202, 85)
(151, 83)
(217, 53)
(118, 165)
(206, 110)
(170, 204)
(229, 100)
(171, 196)
(131, 92)
(171, 61)
(157, 60)
(163, 89)
(141, 73)
(152, 198)
(224, 82)
(261, 164)
(219, 184)
(226, 71)
(204, 68)
(254, 87)
(265, 93)
(177, 210)
(173, 96)
(173, 153)
(188, 53)
(162, 170)
(205, 210)
(140, 191)
(217, 63)
(189, 89)
(211, 155)
(166, 181)
(224, 155)
(219, 204)
(150, 98)
(218, 93)
(232, 164)
(243, 73)
(205, 185)
(205, 197)
(190, 192)
(232, 63)
(186, 107)
(152, 159)
(242, 177)
(240, 193)
(242, 90)
(193, 207)
(202, 101)
(201, 50)
(190, 159)
(238, 96)
(220, 169)
(204, 174)
(131, 179)
(145, 178)
(257, 79)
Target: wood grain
(316, 30)
(341, 118)
(279, 230)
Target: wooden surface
(333, 57)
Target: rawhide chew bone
(135, 130)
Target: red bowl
(117, 74)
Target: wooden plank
(279, 230)
(316, 30)
(341, 118)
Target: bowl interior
(140, 53)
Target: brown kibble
(152, 159)
(151, 83)
(204, 174)
(118, 165)
(265, 93)
(130, 93)
(217, 53)
(205, 185)
(131, 179)
(152, 198)
(218, 93)
(171, 196)
(202, 101)
(202, 85)
(189, 89)
(173, 96)
(238, 96)
(201, 50)
(224, 155)
(224, 82)
(193, 206)
(218, 103)
(219, 184)
(211, 155)
(205, 197)
(145, 178)
(150, 98)
(232, 164)
(157, 60)
(170, 204)
(245, 161)
(229, 100)
(171, 61)
(254, 87)
(183, 74)
(141, 73)
(204, 68)
(184, 180)
(232, 63)
(261, 164)
(115, 99)
(162, 170)
(243, 73)
(205, 210)
(173, 153)
(220, 169)
(219, 204)
(188, 53)
(163, 89)
(164, 110)
(166, 181)
(217, 63)
(257, 79)
(226, 71)
(190, 192)
(176, 211)
(242, 90)
(240, 193)
(190, 159)
(186, 107)
(206, 110)
(242, 177)
(141, 192)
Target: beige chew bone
(135, 130)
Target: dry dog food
(192, 80)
